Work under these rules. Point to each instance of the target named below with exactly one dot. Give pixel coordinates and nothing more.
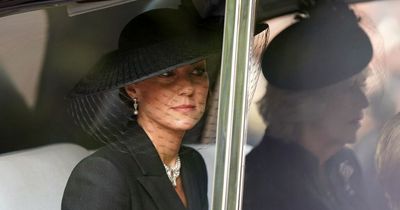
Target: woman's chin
(184, 125)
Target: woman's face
(343, 110)
(174, 100)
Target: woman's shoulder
(194, 159)
(95, 181)
(186, 148)
(189, 152)
(98, 160)
(105, 155)
(108, 152)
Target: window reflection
(381, 23)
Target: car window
(381, 22)
(44, 52)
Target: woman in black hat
(141, 99)
(313, 107)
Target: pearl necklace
(173, 172)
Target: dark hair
(123, 95)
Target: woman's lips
(357, 118)
(184, 108)
(356, 121)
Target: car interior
(47, 46)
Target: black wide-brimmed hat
(320, 49)
(152, 43)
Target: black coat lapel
(154, 178)
(190, 183)
(162, 192)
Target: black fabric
(319, 50)
(131, 176)
(282, 176)
(154, 42)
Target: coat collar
(154, 178)
(141, 148)
(190, 184)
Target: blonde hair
(286, 111)
(388, 160)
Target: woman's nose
(362, 99)
(185, 85)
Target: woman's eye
(167, 74)
(198, 71)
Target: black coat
(281, 176)
(131, 176)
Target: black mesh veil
(107, 115)
(152, 43)
(98, 103)
(260, 42)
(102, 115)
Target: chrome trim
(31, 6)
(232, 113)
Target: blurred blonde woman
(313, 107)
